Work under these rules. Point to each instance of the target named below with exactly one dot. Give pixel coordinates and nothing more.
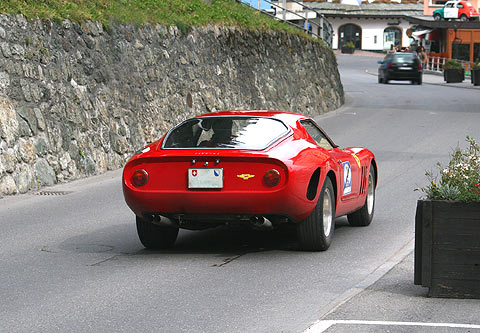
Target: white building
(370, 26)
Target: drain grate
(53, 192)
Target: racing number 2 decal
(347, 178)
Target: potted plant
(447, 228)
(348, 48)
(475, 73)
(453, 72)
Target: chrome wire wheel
(315, 233)
(370, 194)
(327, 213)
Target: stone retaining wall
(77, 100)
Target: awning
(420, 33)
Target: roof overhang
(365, 16)
(443, 24)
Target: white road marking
(323, 325)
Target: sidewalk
(430, 77)
(395, 304)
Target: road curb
(345, 107)
(373, 277)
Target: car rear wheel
(463, 18)
(156, 237)
(315, 233)
(437, 17)
(364, 215)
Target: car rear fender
(333, 179)
(318, 179)
(313, 185)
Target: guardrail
(321, 28)
(436, 64)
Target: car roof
(289, 118)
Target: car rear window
(404, 58)
(252, 133)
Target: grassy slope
(182, 13)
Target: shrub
(460, 179)
(476, 65)
(452, 64)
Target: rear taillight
(272, 177)
(420, 67)
(390, 65)
(140, 177)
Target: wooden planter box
(447, 248)
(475, 75)
(349, 50)
(453, 75)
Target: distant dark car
(400, 66)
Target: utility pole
(259, 5)
(284, 10)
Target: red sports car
(256, 168)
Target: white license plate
(205, 178)
(404, 68)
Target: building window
(476, 52)
(437, 3)
(392, 36)
(350, 33)
(461, 51)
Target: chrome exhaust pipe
(261, 223)
(163, 221)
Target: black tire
(364, 216)
(380, 79)
(315, 233)
(419, 81)
(437, 17)
(156, 237)
(463, 18)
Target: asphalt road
(426, 123)
(72, 262)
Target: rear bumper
(283, 202)
(404, 75)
